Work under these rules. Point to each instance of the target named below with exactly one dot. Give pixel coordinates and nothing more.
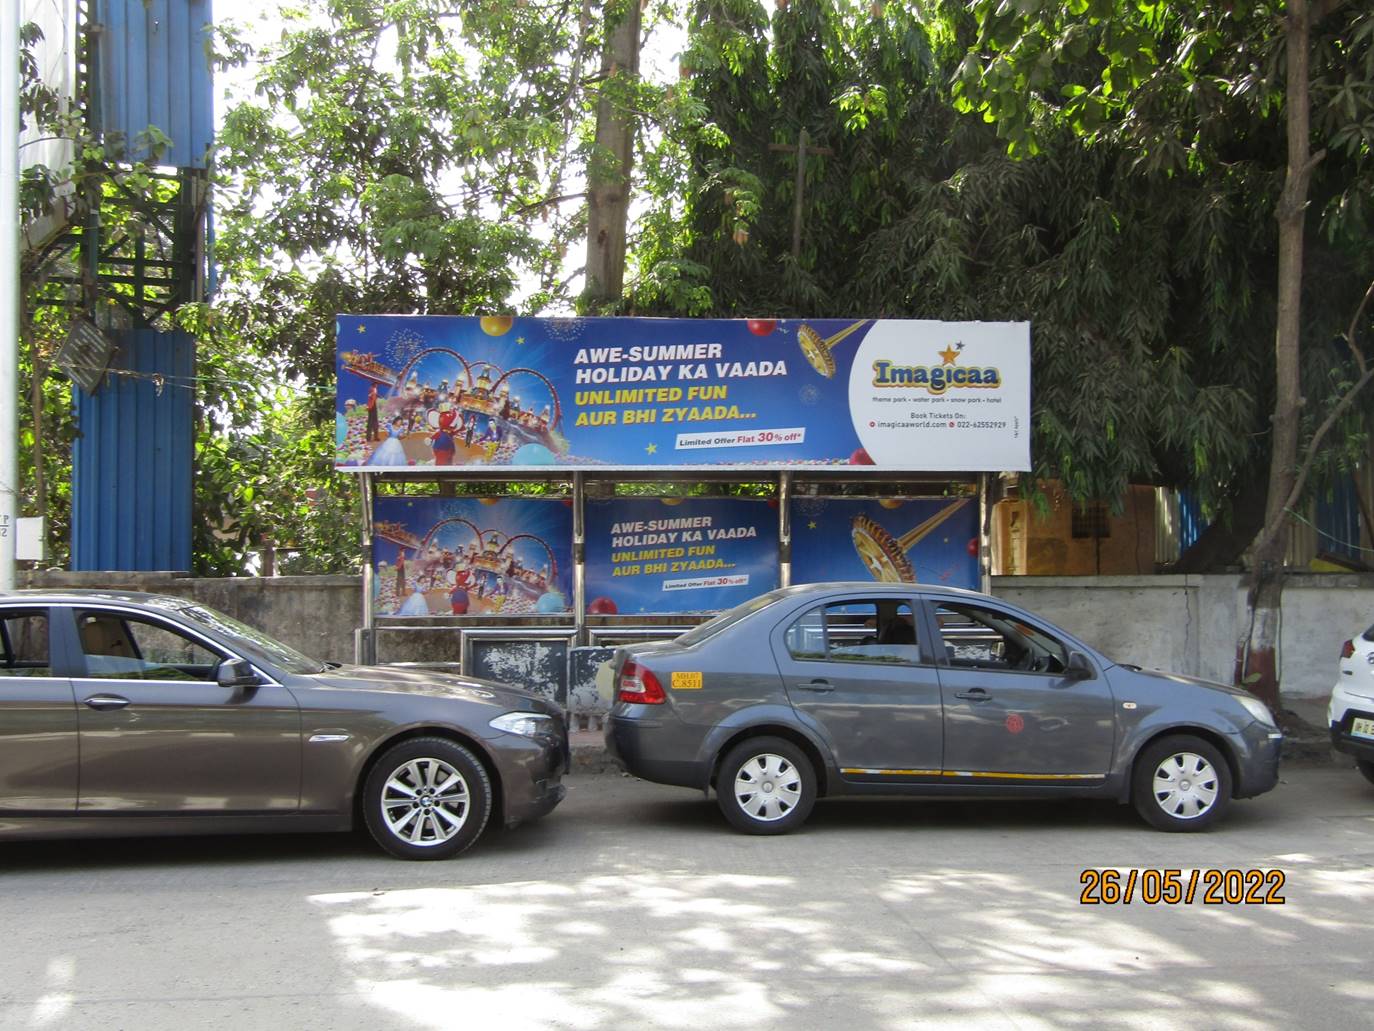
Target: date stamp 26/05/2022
(1111, 886)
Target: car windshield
(728, 618)
(252, 640)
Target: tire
(1366, 767)
(766, 785)
(439, 825)
(1181, 783)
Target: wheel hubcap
(425, 802)
(767, 787)
(1185, 785)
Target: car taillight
(1347, 649)
(639, 685)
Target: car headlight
(527, 724)
(1257, 709)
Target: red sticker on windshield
(1015, 724)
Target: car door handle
(973, 694)
(106, 702)
(819, 686)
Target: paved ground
(633, 906)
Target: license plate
(1362, 728)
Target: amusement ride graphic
(491, 570)
(441, 404)
(884, 554)
(817, 350)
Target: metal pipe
(369, 635)
(9, 289)
(579, 560)
(785, 528)
(984, 536)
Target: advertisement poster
(668, 555)
(458, 392)
(927, 540)
(471, 556)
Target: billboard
(678, 555)
(436, 556)
(457, 393)
(924, 540)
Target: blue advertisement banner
(677, 555)
(931, 541)
(471, 556)
(458, 393)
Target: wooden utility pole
(608, 171)
(802, 149)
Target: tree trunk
(1257, 665)
(1222, 544)
(608, 171)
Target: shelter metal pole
(785, 529)
(579, 560)
(365, 648)
(984, 536)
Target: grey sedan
(125, 713)
(864, 688)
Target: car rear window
(728, 618)
(1368, 635)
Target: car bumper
(1342, 738)
(639, 746)
(531, 771)
(1259, 768)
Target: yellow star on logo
(362, 328)
(519, 340)
(651, 448)
(948, 355)
(811, 525)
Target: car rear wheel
(766, 786)
(427, 798)
(1367, 768)
(1181, 783)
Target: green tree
(1146, 293)
(1201, 89)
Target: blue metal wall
(152, 68)
(1190, 520)
(1338, 520)
(131, 464)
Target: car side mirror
(236, 673)
(1078, 667)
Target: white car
(1351, 713)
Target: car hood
(1179, 678)
(426, 682)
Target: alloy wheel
(425, 802)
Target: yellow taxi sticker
(686, 681)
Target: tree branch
(1352, 332)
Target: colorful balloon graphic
(497, 325)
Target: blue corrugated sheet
(1338, 520)
(131, 464)
(153, 68)
(1190, 520)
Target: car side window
(122, 647)
(24, 635)
(881, 630)
(982, 638)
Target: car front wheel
(766, 785)
(1181, 783)
(427, 798)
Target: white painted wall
(1190, 624)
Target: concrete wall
(315, 614)
(1191, 624)
(1187, 624)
